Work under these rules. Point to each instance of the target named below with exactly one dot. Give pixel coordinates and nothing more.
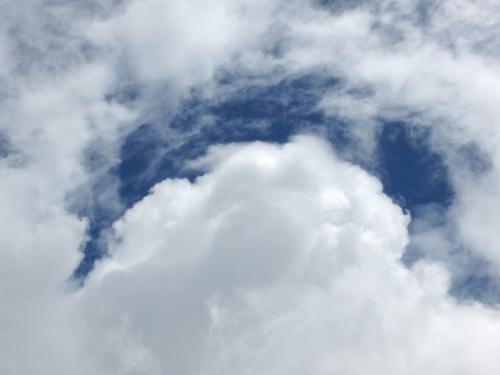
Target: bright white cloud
(279, 260)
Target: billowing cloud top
(202, 187)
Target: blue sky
(249, 187)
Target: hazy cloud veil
(259, 238)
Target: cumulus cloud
(280, 259)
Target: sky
(211, 187)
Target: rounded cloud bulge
(280, 259)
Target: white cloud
(279, 260)
(182, 43)
(53, 106)
(436, 68)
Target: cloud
(279, 260)
(53, 105)
(428, 64)
(182, 45)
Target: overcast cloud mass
(212, 187)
